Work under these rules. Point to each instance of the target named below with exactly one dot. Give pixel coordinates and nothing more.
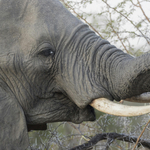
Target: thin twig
(133, 4)
(143, 11)
(109, 141)
(127, 19)
(141, 135)
(82, 135)
(117, 34)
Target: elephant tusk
(143, 98)
(109, 107)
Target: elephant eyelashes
(47, 52)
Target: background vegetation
(126, 24)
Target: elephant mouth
(113, 108)
(86, 114)
(58, 107)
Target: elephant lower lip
(86, 114)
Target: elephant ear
(13, 129)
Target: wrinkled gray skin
(52, 66)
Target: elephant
(53, 67)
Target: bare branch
(113, 136)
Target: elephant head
(52, 66)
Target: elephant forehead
(17, 24)
(11, 14)
(24, 22)
(19, 10)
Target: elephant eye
(47, 52)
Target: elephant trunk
(136, 76)
(121, 74)
(111, 69)
(125, 77)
